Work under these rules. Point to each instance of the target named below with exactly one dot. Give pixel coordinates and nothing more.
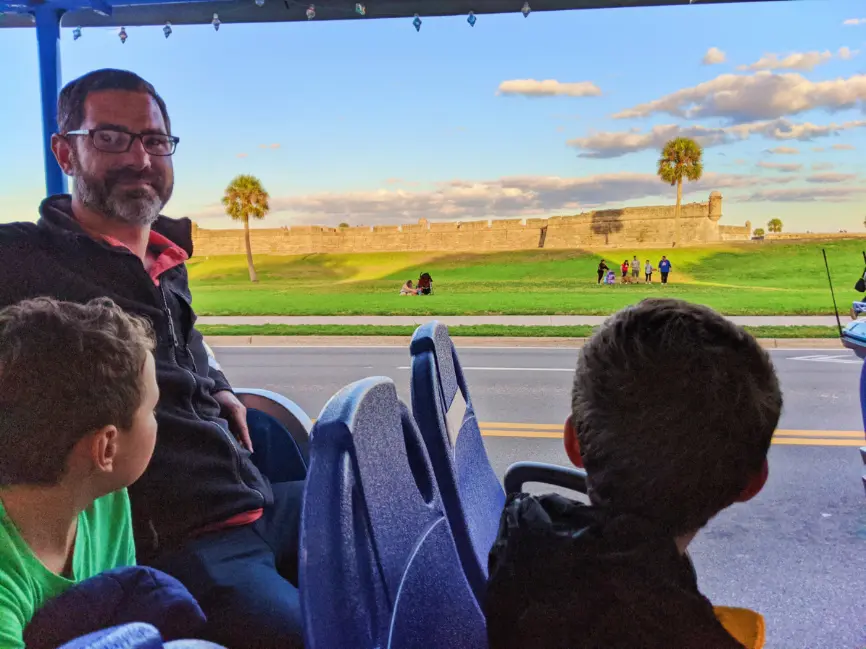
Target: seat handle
(520, 473)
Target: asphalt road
(797, 553)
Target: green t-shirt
(103, 541)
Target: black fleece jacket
(199, 473)
(567, 576)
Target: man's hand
(236, 414)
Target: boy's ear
(104, 448)
(572, 445)
(755, 484)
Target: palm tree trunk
(677, 211)
(253, 276)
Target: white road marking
(825, 358)
(510, 369)
(468, 348)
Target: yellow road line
(782, 437)
(809, 441)
(822, 433)
(533, 434)
(501, 424)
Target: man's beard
(133, 206)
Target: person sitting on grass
(77, 394)
(425, 284)
(662, 459)
(408, 289)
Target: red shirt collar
(162, 254)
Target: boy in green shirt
(77, 393)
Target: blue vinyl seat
(378, 563)
(442, 406)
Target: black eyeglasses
(113, 141)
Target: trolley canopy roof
(130, 13)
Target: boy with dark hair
(614, 574)
(77, 394)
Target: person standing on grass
(624, 268)
(648, 271)
(635, 269)
(602, 269)
(664, 269)
(201, 512)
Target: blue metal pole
(48, 39)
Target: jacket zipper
(232, 442)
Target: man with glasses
(202, 511)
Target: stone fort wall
(630, 227)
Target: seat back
(471, 493)
(378, 564)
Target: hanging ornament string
(360, 10)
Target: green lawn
(736, 279)
(492, 331)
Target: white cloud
(855, 21)
(243, 155)
(818, 149)
(846, 53)
(612, 144)
(763, 95)
(548, 88)
(843, 147)
(830, 178)
(515, 196)
(822, 166)
(784, 150)
(779, 166)
(714, 56)
(807, 194)
(794, 61)
(269, 146)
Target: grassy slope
(768, 278)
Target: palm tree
(680, 159)
(774, 225)
(245, 198)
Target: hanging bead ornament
(471, 19)
(526, 9)
(76, 33)
(167, 30)
(260, 3)
(122, 34)
(216, 22)
(417, 23)
(360, 9)
(311, 12)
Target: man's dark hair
(70, 104)
(65, 370)
(674, 408)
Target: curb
(468, 341)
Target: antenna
(829, 279)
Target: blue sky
(370, 122)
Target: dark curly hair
(674, 408)
(65, 370)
